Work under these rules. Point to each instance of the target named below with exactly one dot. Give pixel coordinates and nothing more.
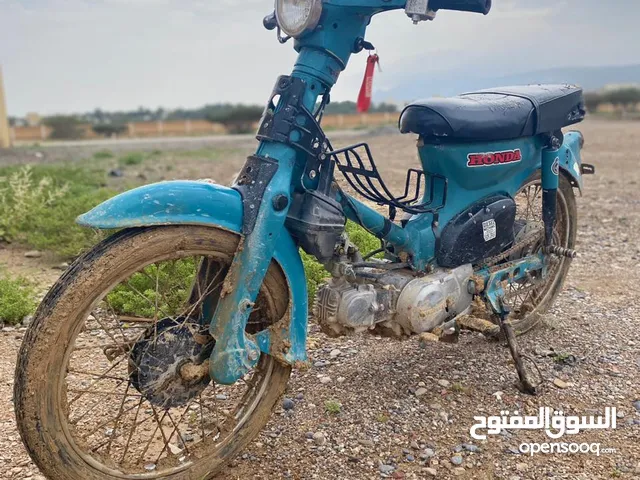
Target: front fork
(266, 183)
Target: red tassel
(366, 91)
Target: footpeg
(560, 251)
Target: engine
(396, 300)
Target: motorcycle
(162, 351)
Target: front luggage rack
(357, 165)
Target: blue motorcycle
(162, 351)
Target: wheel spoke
(116, 407)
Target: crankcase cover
(429, 301)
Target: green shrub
(365, 241)
(174, 281)
(332, 407)
(64, 127)
(16, 300)
(38, 206)
(134, 158)
(315, 271)
(102, 154)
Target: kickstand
(525, 385)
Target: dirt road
(383, 427)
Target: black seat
(495, 114)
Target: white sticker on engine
(489, 230)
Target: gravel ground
(372, 407)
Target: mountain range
(454, 82)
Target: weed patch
(166, 284)
(16, 300)
(38, 206)
(134, 158)
(102, 154)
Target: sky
(71, 56)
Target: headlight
(297, 17)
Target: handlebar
(476, 6)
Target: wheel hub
(165, 364)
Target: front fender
(203, 203)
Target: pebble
(61, 266)
(366, 442)
(174, 449)
(320, 364)
(420, 392)
(325, 380)
(444, 383)
(335, 353)
(560, 383)
(458, 471)
(431, 471)
(521, 467)
(456, 459)
(221, 396)
(637, 405)
(426, 338)
(427, 453)
(309, 435)
(299, 396)
(471, 448)
(341, 379)
(288, 404)
(386, 469)
(415, 445)
(33, 254)
(319, 438)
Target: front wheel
(111, 381)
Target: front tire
(61, 350)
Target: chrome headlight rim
(307, 26)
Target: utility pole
(5, 139)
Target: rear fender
(570, 159)
(203, 203)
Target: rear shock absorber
(550, 181)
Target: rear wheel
(112, 379)
(530, 299)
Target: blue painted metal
(495, 279)
(466, 185)
(167, 203)
(570, 158)
(200, 203)
(374, 222)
